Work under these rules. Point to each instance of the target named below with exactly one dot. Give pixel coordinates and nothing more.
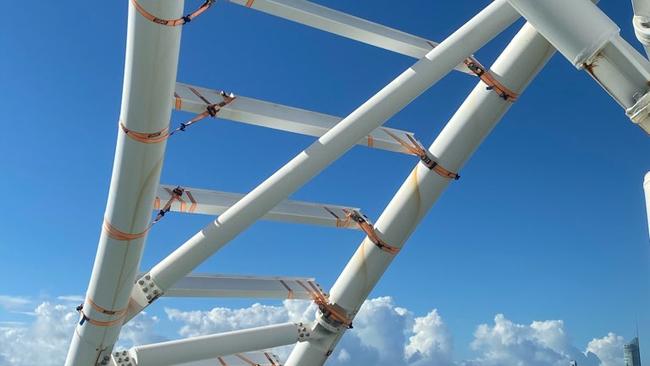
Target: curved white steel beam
(136, 172)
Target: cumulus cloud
(44, 341)
(431, 342)
(609, 349)
(384, 334)
(541, 343)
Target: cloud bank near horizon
(384, 334)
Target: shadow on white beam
(254, 287)
(214, 347)
(241, 359)
(214, 203)
(276, 116)
(345, 25)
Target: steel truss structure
(118, 291)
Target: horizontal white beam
(219, 285)
(276, 116)
(212, 346)
(207, 202)
(345, 25)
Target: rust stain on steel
(592, 66)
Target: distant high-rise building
(631, 353)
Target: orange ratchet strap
(211, 109)
(146, 137)
(340, 222)
(366, 226)
(329, 310)
(418, 150)
(116, 234)
(489, 80)
(173, 22)
(120, 314)
(175, 194)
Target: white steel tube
(646, 188)
(591, 41)
(392, 98)
(641, 22)
(577, 28)
(212, 346)
(136, 171)
(477, 116)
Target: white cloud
(14, 302)
(383, 334)
(609, 349)
(71, 298)
(543, 343)
(45, 340)
(431, 342)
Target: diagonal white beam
(345, 25)
(519, 63)
(254, 287)
(136, 172)
(386, 103)
(276, 116)
(214, 203)
(212, 346)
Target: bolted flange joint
(303, 332)
(333, 317)
(639, 113)
(149, 289)
(122, 358)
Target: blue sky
(547, 222)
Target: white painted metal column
(477, 116)
(212, 346)
(391, 99)
(646, 188)
(641, 23)
(149, 78)
(591, 41)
